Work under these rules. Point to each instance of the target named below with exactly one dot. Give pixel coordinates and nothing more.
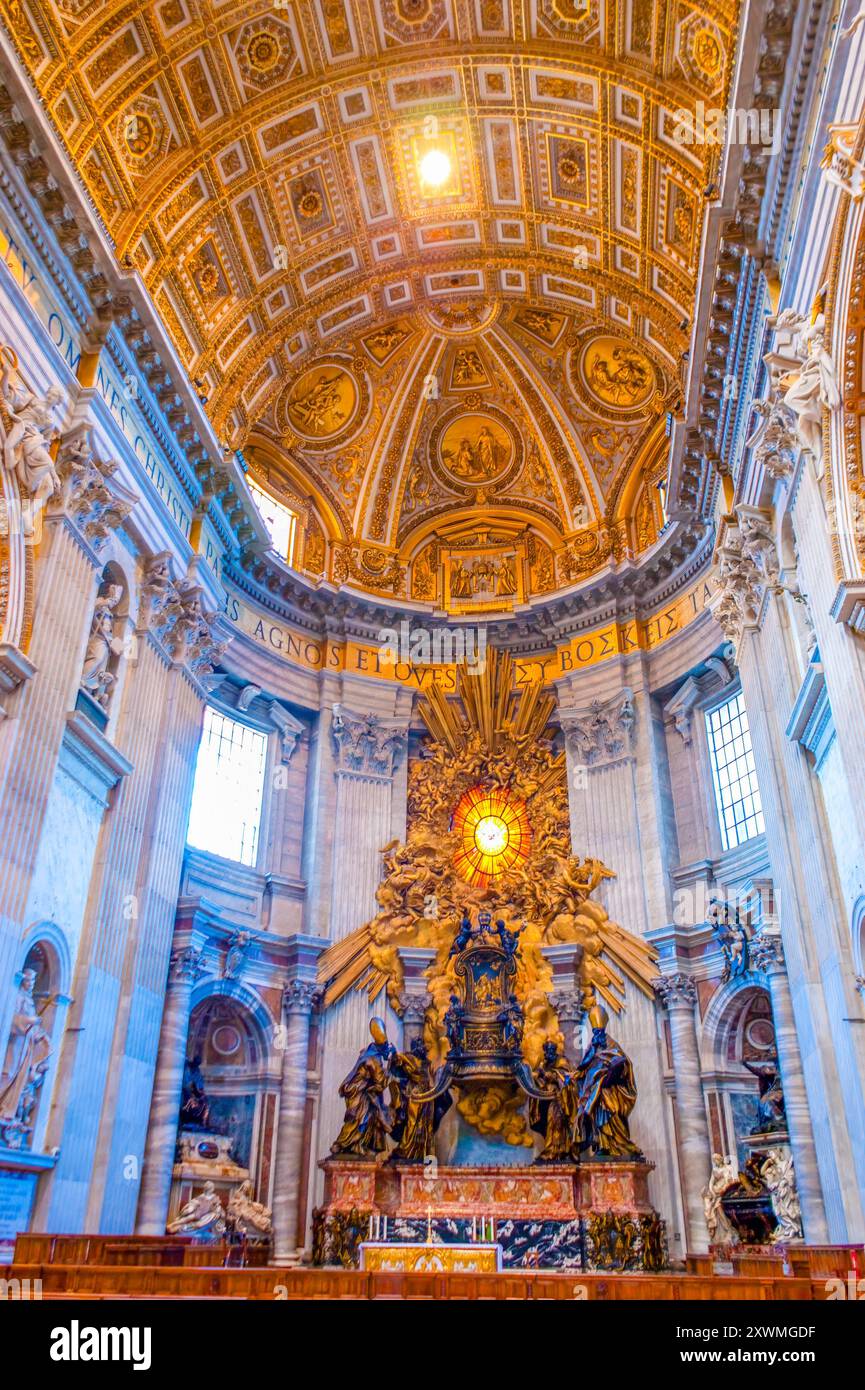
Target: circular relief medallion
(475, 449)
(323, 401)
(226, 1039)
(760, 1033)
(616, 373)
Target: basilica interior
(432, 647)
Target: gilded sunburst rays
(494, 834)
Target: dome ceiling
(432, 262)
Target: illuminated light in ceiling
(494, 834)
(435, 168)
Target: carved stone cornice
(848, 605)
(367, 745)
(603, 732)
(15, 670)
(675, 991)
(755, 204)
(301, 996)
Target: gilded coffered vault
(431, 262)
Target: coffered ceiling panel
(336, 202)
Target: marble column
(767, 954)
(678, 994)
(76, 529)
(300, 998)
(184, 969)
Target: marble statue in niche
(28, 1050)
(104, 647)
(194, 1106)
(812, 383)
(732, 937)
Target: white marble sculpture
(723, 1175)
(812, 385)
(779, 1176)
(96, 676)
(248, 1215)
(26, 1060)
(203, 1212)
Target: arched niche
(231, 1038)
(32, 1045)
(738, 1027)
(107, 645)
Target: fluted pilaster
(678, 995)
(767, 955)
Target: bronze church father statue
(606, 1095)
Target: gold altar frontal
(595, 1215)
(404, 1257)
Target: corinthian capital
(367, 745)
(155, 589)
(190, 631)
(766, 952)
(301, 996)
(185, 966)
(746, 567)
(675, 991)
(603, 732)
